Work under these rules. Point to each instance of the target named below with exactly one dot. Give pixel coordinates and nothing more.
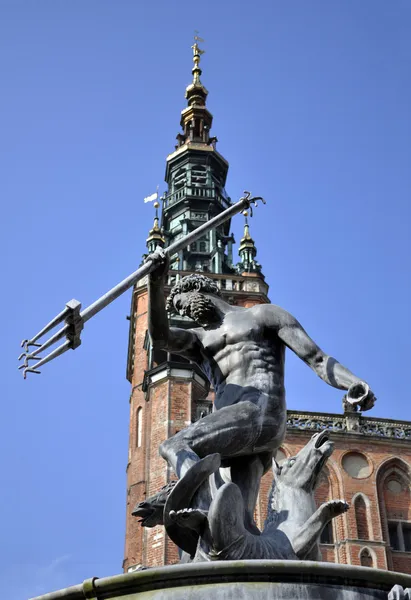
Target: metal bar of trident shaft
(128, 282)
(142, 271)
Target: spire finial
(197, 52)
(246, 226)
(155, 236)
(247, 250)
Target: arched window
(139, 426)
(366, 559)
(327, 534)
(394, 483)
(361, 518)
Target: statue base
(242, 580)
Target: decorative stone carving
(316, 423)
(350, 421)
(400, 431)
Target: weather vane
(196, 50)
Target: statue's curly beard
(200, 309)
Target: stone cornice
(351, 423)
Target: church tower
(167, 391)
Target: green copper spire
(248, 251)
(155, 237)
(196, 174)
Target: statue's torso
(244, 357)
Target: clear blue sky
(312, 109)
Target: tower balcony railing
(227, 283)
(191, 191)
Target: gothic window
(139, 427)
(394, 537)
(361, 518)
(203, 247)
(193, 247)
(366, 558)
(406, 534)
(327, 536)
(400, 535)
(395, 504)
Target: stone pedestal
(241, 580)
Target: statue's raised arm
(173, 339)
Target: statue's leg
(246, 473)
(231, 431)
(310, 533)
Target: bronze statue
(242, 352)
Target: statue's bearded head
(193, 297)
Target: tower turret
(247, 251)
(155, 237)
(196, 175)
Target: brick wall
(136, 463)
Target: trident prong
(27, 343)
(29, 370)
(250, 201)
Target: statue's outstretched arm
(330, 370)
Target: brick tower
(167, 391)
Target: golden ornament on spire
(197, 52)
(196, 93)
(155, 235)
(246, 240)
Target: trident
(74, 319)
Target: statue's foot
(192, 518)
(334, 508)
(150, 512)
